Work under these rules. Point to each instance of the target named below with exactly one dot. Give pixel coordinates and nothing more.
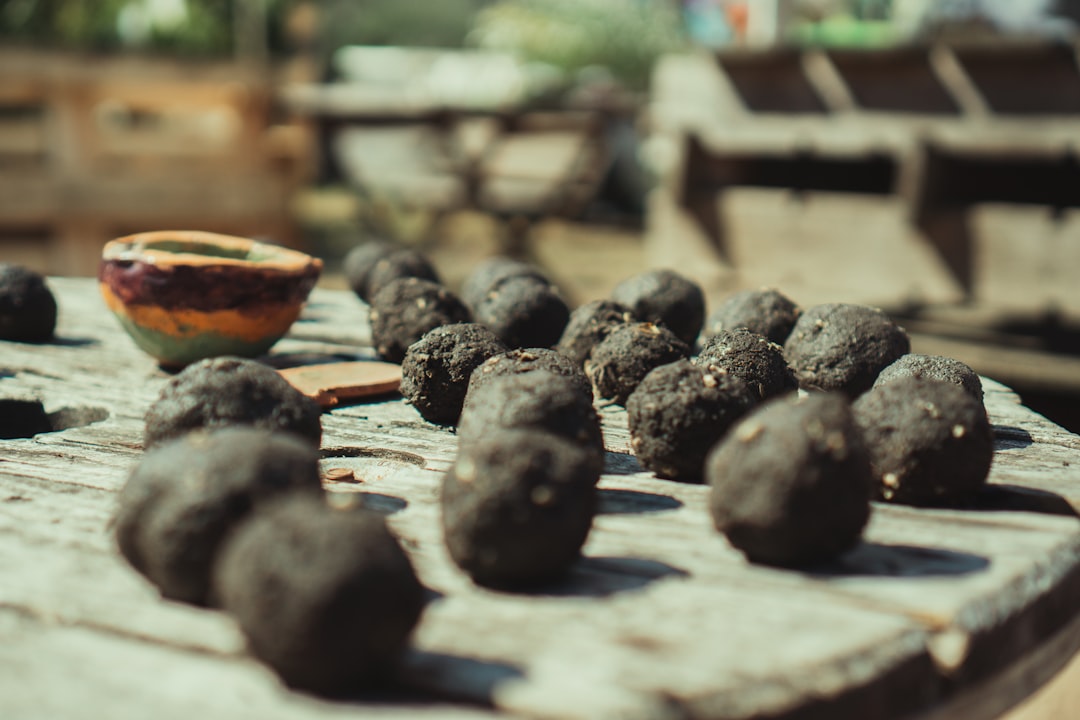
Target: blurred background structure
(918, 155)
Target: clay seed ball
(588, 325)
(538, 400)
(396, 264)
(678, 412)
(933, 367)
(524, 312)
(27, 306)
(517, 507)
(628, 354)
(930, 441)
(224, 391)
(490, 273)
(843, 347)
(404, 310)
(791, 483)
(186, 495)
(750, 357)
(326, 597)
(526, 360)
(436, 370)
(667, 298)
(23, 417)
(766, 312)
(359, 262)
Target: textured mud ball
(930, 441)
(23, 418)
(359, 262)
(436, 370)
(933, 367)
(678, 412)
(767, 312)
(526, 360)
(185, 496)
(588, 325)
(224, 391)
(791, 482)
(753, 359)
(517, 506)
(493, 271)
(524, 312)
(538, 400)
(399, 263)
(327, 598)
(27, 306)
(404, 310)
(843, 347)
(667, 298)
(622, 360)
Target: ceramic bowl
(186, 295)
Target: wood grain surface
(939, 613)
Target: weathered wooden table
(939, 613)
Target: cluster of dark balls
(226, 509)
(792, 480)
(512, 299)
(633, 349)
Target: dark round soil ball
(628, 354)
(524, 312)
(750, 357)
(933, 367)
(399, 263)
(359, 262)
(588, 325)
(27, 306)
(538, 400)
(517, 506)
(326, 597)
(436, 370)
(667, 298)
(185, 496)
(791, 482)
(223, 391)
(766, 312)
(678, 412)
(525, 360)
(843, 347)
(930, 441)
(23, 418)
(404, 310)
(491, 272)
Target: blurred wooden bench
(937, 175)
(92, 148)
(403, 128)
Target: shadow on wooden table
(440, 677)
(881, 560)
(615, 501)
(605, 576)
(1014, 498)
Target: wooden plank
(660, 619)
(58, 671)
(1025, 259)
(780, 239)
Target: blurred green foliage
(625, 36)
(191, 27)
(420, 23)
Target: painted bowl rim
(140, 247)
